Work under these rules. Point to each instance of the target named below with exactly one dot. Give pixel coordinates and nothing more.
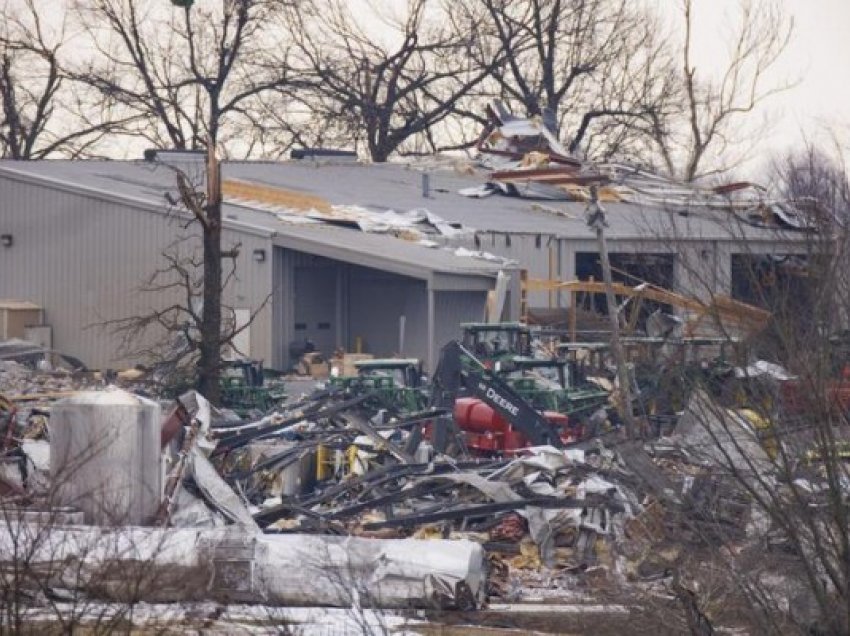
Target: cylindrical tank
(462, 407)
(471, 414)
(105, 456)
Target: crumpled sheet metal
(496, 490)
(381, 573)
(223, 563)
(539, 458)
(719, 436)
(202, 411)
(218, 493)
(545, 524)
(190, 511)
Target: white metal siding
(83, 259)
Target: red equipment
(487, 431)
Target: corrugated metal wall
(356, 302)
(549, 257)
(283, 311)
(537, 253)
(84, 258)
(376, 302)
(316, 306)
(453, 308)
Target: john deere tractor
(397, 382)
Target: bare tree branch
(185, 74)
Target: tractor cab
(492, 342)
(401, 372)
(246, 387)
(584, 358)
(397, 381)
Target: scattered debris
(527, 160)
(377, 489)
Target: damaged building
(383, 259)
(519, 473)
(84, 236)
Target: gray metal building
(689, 249)
(86, 233)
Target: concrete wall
(84, 258)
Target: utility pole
(209, 362)
(596, 221)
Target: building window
(774, 282)
(630, 269)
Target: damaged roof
(399, 187)
(379, 188)
(146, 184)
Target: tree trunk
(209, 364)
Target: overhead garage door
(315, 306)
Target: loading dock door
(315, 307)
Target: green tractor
(246, 387)
(548, 384)
(396, 381)
(552, 385)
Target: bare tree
(712, 108)
(810, 177)
(765, 506)
(189, 72)
(588, 66)
(189, 323)
(44, 111)
(385, 86)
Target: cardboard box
(344, 366)
(314, 365)
(319, 370)
(16, 316)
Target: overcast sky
(816, 61)
(820, 55)
(818, 58)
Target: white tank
(105, 456)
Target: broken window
(628, 269)
(781, 284)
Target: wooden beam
(722, 307)
(237, 189)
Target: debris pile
(352, 491)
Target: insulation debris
(302, 208)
